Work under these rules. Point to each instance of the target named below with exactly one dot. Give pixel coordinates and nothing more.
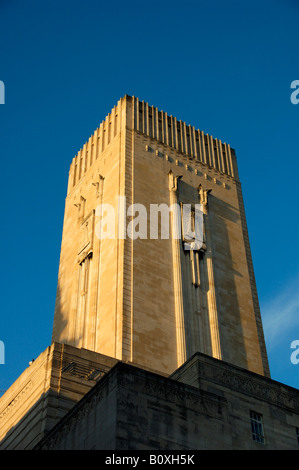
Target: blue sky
(224, 67)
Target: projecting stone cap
(225, 379)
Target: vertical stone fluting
(177, 267)
(96, 298)
(211, 293)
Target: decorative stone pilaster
(177, 268)
(211, 293)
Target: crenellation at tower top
(163, 128)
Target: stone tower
(137, 294)
(157, 337)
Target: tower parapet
(165, 129)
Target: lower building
(206, 404)
(73, 399)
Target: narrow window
(297, 433)
(257, 428)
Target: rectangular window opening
(257, 428)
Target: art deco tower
(157, 339)
(149, 300)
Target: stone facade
(46, 391)
(140, 299)
(132, 409)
